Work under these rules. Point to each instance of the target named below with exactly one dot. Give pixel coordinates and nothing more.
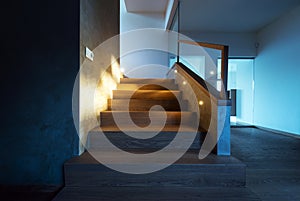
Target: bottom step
(155, 193)
(188, 171)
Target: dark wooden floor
(273, 163)
(273, 172)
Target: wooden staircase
(142, 94)
(187, 179)
(133, 99)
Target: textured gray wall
(37, 130)
(99, 21)
(38, 72)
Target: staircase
(187, 179)
(133, 99)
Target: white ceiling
(146, 6)
(232, 15)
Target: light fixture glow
(175, 71)
(201, 103)
(212, 72)
(184, 82)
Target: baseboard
(279, 132)
(30, 188)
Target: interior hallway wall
(277, 75)
(139, 64)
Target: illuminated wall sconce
(201, 103)
(175, 71)
(184, 82)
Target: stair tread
(146, 81)
(167, 128)
(146, 112)
(144, 100)
(148, 91)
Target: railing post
(178, 43)
(224, 67)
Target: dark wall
(39, 63)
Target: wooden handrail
(224, 57)
(208, 45)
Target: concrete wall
(99, 22)
(277, 70)
(39, 69)
(96, 22)
(144, 63)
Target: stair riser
(107, 119)
(148, 81)
(175, 175)
(145, 105)
(147, 87)
(151, 95)
(126, 142)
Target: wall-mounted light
(201, 103)
(175, 71)
(184, 82)
(212, 72)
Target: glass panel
(240, 78)
(203, 62)
(173, 41)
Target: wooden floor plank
(155, 193)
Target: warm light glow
(103, 92)
(184, 82)
(115, 69)
(175, 71)
(201, 103)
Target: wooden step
(188, 171)
(147, 87)
(141, 118)
(146, 81)
(161, 138)
(147, 94)
(145, 105)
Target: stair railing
(224, 49)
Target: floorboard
(161, 194)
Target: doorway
(241, 82)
